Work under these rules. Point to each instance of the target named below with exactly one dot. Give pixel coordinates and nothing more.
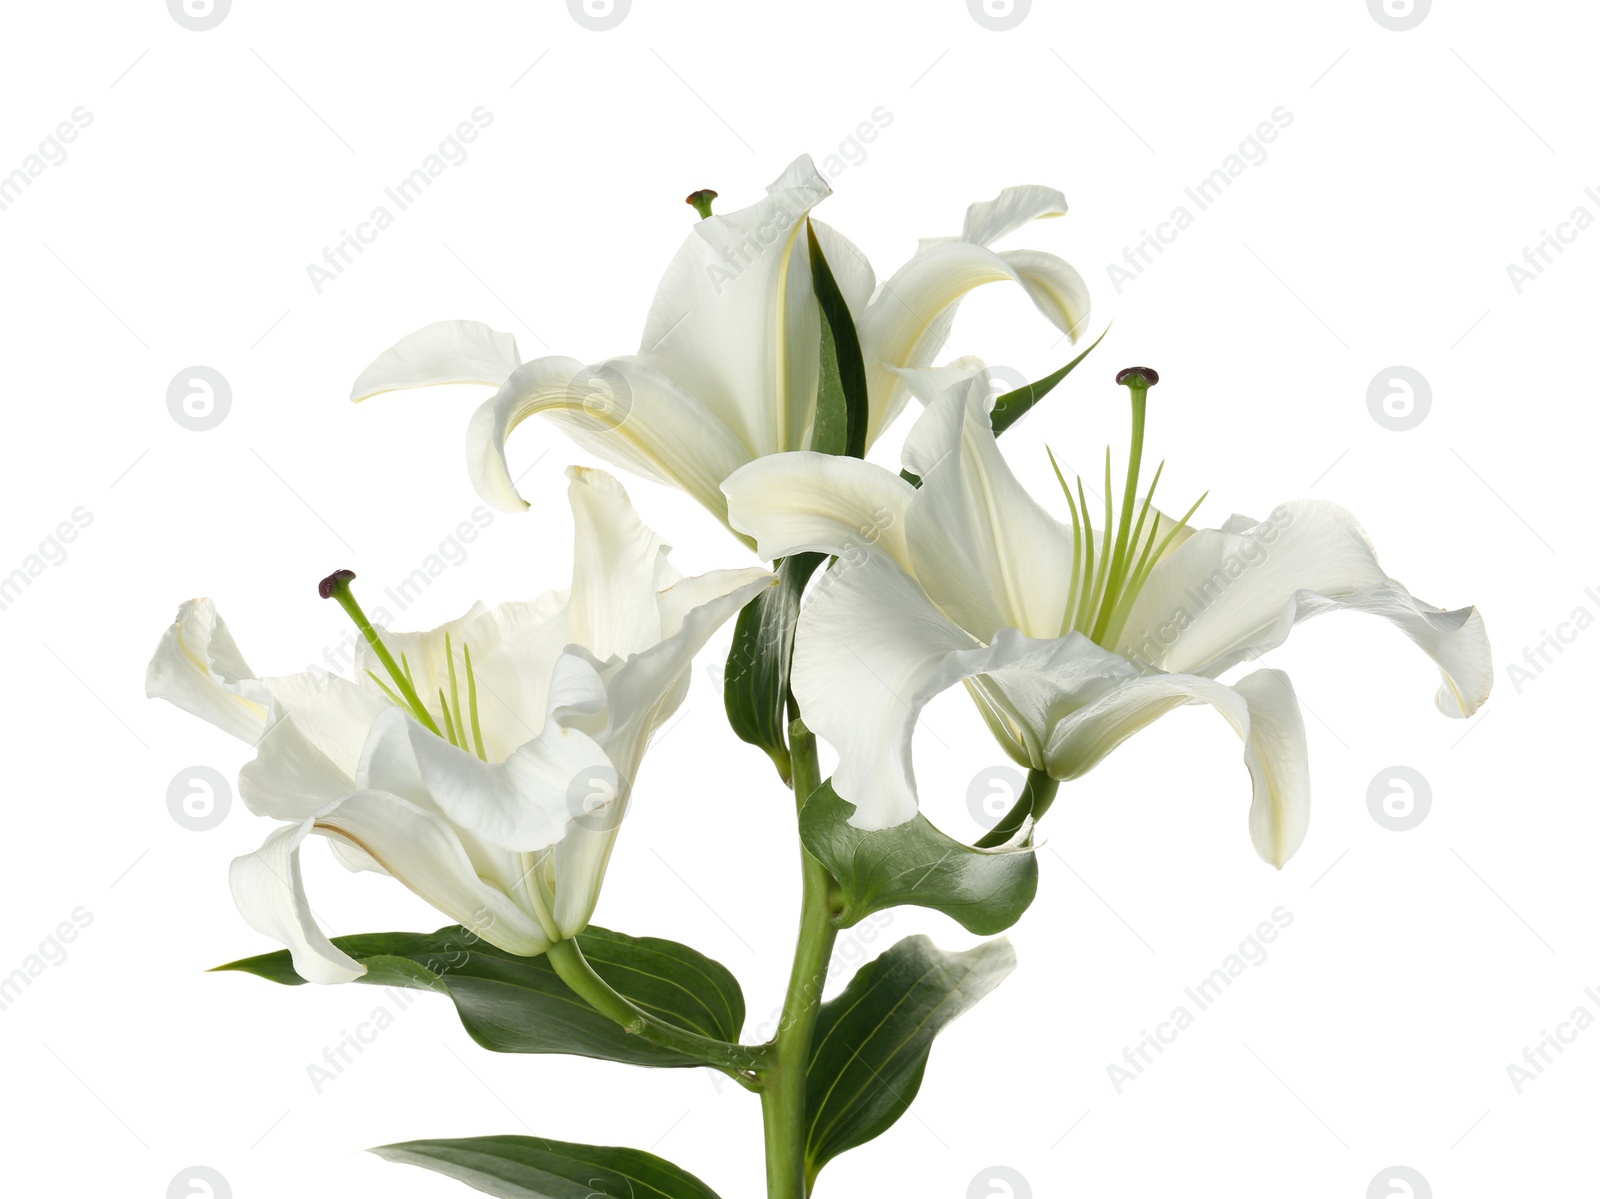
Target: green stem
(783, 1094)
(1035, 801)
(738, 1061)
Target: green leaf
(984, 890)
(841, 421)
(872, 1041)
(534, 1168)
(514, 1004)
(1014, 405)
(755, 686)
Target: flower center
(455, 718)
(1106, 581)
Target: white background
(1377, 232)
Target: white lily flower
(726, 372)
(1068, 646)
(497, 797)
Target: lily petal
(443, 352)
(1059, 705)
(730, 589)
(389, 765)
(1229, 594)
(1262, 709)
(824, 502)
(910, 317)
(271, 896)
(420, 849)
(851, 270)
(309, 754)
(521, 804)
(290, 778)
(619, 566)
(644, 691)
(868, 643)
(198, 667)
(643, 421)
(928, 383)
(641, 694)
(734, 321)
(984, 549)
(990, 220)
(513, 646)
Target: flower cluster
(487, 764)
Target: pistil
(337, 587)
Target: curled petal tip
(334, 583)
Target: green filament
(1103, 586)
(454, 716)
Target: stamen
(1102, 572)
(337, 587)
(472, 702)
(1144, 510)
(398, 701)
(460, 737)
(700, 201)
(449, 729)
(1077, 535)
(1147, 563)
(1086, 597)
